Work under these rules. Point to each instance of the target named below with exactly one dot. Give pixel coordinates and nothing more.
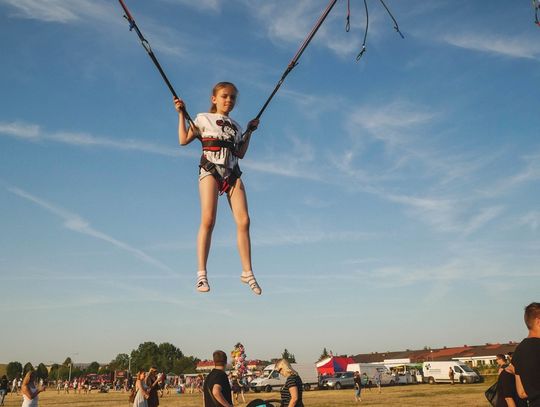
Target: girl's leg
(208, 192)
(238, 203)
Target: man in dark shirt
(216, 388)
(526, 358)
(153, 383)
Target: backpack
(491, 394)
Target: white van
(437, 372)
(271, 379)
(372, 370)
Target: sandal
(202, 284)
(252, 282)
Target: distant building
(475, 356)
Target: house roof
(445, 353)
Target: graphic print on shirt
(228, 128)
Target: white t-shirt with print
(218, 126)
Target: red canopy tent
(333, 364)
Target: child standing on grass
(219, 173)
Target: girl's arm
(29, 393)
(140, 386)
(184, 136)
(252, 126)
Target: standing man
(378, 380)
(152, 381)
(451, 374)
(216, 388)
(357, 386)
(526, 358)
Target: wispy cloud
(77, 224)
(204, 5)
(448, 214)
(291, 23)
(495, 44)
(301, 237)
(529, 173)
(281, 235)
(33, 132)
(387, 123)
(166, 40)
(531, 220)
(58, 11)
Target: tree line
(165, 357)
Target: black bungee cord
(365, 34)
(146, 46)
(396, 26)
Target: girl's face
(224, 100)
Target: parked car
(338, 381)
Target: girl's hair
(29, 377)
(284, 368)
(215, 90)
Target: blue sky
(394, 201)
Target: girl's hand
(179, 105)
(253, 124)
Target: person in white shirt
(223, 144)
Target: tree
(53, 373)
(27, 368)
(93, 367)
(62, 373)
(168, 354)
(121, 362)
(105, 369)
(42, 371)
(13, 370)
(67, 362)
(186, 364)
(146, 355)
(288, 356)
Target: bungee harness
(146, 46)
(224, 182)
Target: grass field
(422, 395)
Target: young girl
(219, 173)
